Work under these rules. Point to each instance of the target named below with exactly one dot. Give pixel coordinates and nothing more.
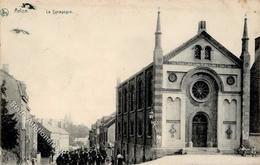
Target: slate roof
(54, 129)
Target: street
(205, 160)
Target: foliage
(9, 133)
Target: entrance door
(199, 130)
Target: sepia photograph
(123, 82)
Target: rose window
(200, 90)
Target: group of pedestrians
(82, 157)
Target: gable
(186, 52)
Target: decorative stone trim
(230, 80)
(172, 77)
(172, 121)
(171, 90)
(201, 64)
(229, 132)
(172, 131)
(254, 134)
(229, 122)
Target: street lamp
(151, 115)
(153, 122)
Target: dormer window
(208, 53)
(197, 53)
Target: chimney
(202, 26)
(6, 68)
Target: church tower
(158, 75)
(245, 57)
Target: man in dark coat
(103, 156)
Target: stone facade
(59, 136)
(200, 97)
(18, 103)
(102, 133)
(254, 138)
(134, 129)
(255, 91)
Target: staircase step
(201, 150)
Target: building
(197, 95)
(107, 131)
(18, 104)
(107, 134)
(59, 136)
(102, 133)
(254, 99)
(94, 134)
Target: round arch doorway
(199, 130)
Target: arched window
(150, 128)
(132, 97)
(150, 90)
(125, 100)
(119, 102)
(208, 53)
(197, 52)
(140, 94)
(119, 129)
(124, 128)
(132, 127)
(140, 128)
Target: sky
(71, 62)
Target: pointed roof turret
(245, 33)
(158, 32)
(158, 25)
(245, 39)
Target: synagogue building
(196, 96)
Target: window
(197, 52)
(132, 128)
(119, 102)
(140, 128)
(132, 97)
(124, 128)
(125, 100)
(140, 94)
(200, 91)
(119, 129)
(208, 53)
(150, 128)
(150, 90)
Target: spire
(245, 57)
(158, 26)
(158, 32)
(245, 40)
(245, 35)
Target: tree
(9, 133)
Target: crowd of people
(83, 157)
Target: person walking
(120, 159)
